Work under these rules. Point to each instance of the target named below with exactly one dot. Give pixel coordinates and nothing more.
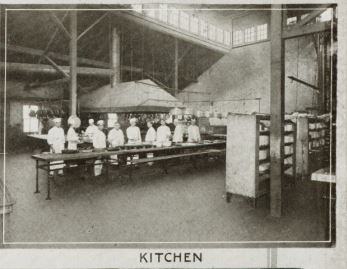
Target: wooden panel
(241, 165)
(276, 111)
(302, 147)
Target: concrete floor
(185, 205)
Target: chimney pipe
(115, 57)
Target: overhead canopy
(133, 96)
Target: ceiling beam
(306, 30)
(65, 58)
(53, 55)
(171, 30)
(60, 24)
(48, 69)
(56, 67)
(92, 25)
(312, 15)
(52, 38)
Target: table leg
(228, 197)
(48, 185)
(37, 177)
(107, 163)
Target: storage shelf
(262, 147)
(287, 166)
(289, 143)
(264, 133)
(288, 132)
(287, 155)
(267, 160)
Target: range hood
(133, 96)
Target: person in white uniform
(193, 132)
(99, 142)
(151, 134)
(56, 142)
(163, 133)
(71, 136)
(91, 129)
(133, 132)
(178, 133)
(115, 138)
(151, 137)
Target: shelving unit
(289, 152)
(312, 146)
(248, 155)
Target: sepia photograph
(135, 124)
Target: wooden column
(276, 111)
(73, 62)
(175, 86)
(115, 57)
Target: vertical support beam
(175, 86)
(73, 62)
(115, 57)
(277, 111)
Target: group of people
(115, 137)
(162, 135)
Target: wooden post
(115, 57)
(73, 62)
(276, 111)
(176, 68)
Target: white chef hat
(100, 122)
(90, 121)
(71, 120)
(56, 120)
(132, 120)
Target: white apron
(56, 138)
(99, 142)
(115, 138)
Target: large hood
(139, 96)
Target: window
(137, 8)
(303, 16)
(326, 15)
(262, 31)
(250, 34)
(227, 38)
(220, 35)
(163, 13)
(173, 16)
(111, 119)
(184, 21)
(212, 32)
(151, 13)
(291, 20)
(238, 37)
(30, 122)
(194, 25)
(203, 28)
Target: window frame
(27, 117)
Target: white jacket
(99, 140)
(151, 135)
(72, 138)
(91, 130)
(134, 135)
(193, 133)
(163, 134)
(178, 134)
(115, 137)
(56, 139)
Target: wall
(244, 73)
(17, 96)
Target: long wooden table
(44, 160)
